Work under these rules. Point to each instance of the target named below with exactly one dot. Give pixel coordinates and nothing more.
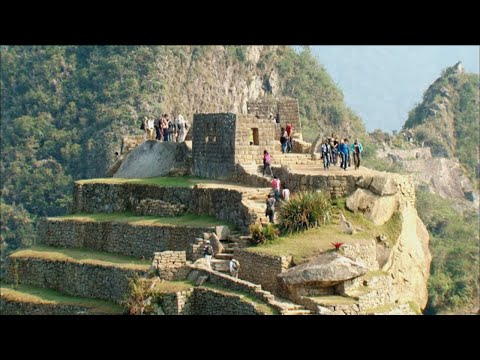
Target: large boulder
(383, 185)
(216, 244)
(202, 263)
(155, 158)
(328, 269)
(378, 209)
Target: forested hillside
(64, 109)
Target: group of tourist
(332, 149)
(165, 129)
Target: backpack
(209, 250)
(235, 265)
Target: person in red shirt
(276, 185)
(289, 129)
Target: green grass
(259, 305)
(304, 246)
(165, 287)
(174, 181)
(32, 294)
(82, 256)
(333, 300)
(130, 218)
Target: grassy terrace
(82, 256)
(259, 305)
(33, 294)
(130, 218)
(306, 245)
(166, 287)
(173, 181)
(333, 300)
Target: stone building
(222, 140)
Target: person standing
(285, 193)
(283, 139)
(267, 159)
(234, 267)
(326, 154)
(208, 252)
(150, 128)
(276, 185)
(357, 149)
(289, 130)
(270, 211)
(343, 151)
(156, 125)
(181, 129)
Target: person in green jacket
(357, 149)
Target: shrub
(139, 297)
(262, 234)
(305, 210)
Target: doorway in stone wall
(254, 138)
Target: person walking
(326, 154)
(343, 151)
(285, 193)
(270, 211)
(267, 159)
(208, 252)
(357, 149)
(276, 186)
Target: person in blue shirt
(343, 151)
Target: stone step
(224, 256)
(220, 265)
(298, 312)
(31, 300)
(76, 272)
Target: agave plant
(337, 245)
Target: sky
(383, 83)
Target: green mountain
(448, 118)
(65, 109)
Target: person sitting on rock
(234, 267)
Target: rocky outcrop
(378, 209)
(327, 269)
(410, 258)
(155, 158)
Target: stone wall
(171, 265)
(73, 278)
(364, 252)
(116, 237)
(265, 137)
(212, 302)
(261, 269)
(220, 203)
(179, 303)
(213, 146)
(286, 109)
(159, 208)
(11, 307)
(336, 185)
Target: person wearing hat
(208, 251)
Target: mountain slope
(448, 119)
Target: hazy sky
(383, 83)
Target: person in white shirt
(181, 129)
(285, 193)
(234, 267)
(150, 126)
